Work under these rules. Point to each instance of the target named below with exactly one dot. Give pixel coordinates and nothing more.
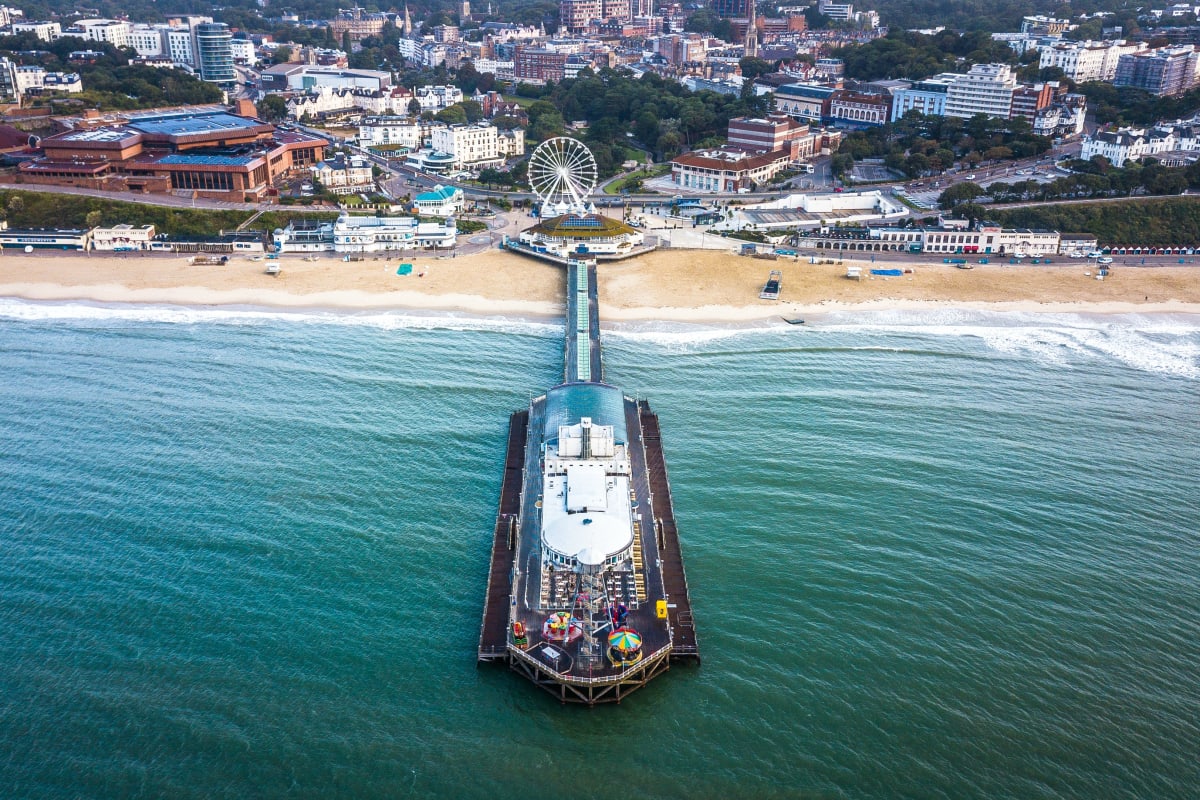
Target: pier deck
(582, 360)
(650, 586)
(493, 634)
(679, 603)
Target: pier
(647, 582)
(493, 634)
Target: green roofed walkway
(581, 357)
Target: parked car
(1104, 260)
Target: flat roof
(184, 124)
(211, 161)
(96, 135)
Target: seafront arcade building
(588, 235)
(210, 153)
(361, 234)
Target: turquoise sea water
(937, 555)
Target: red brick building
(212, 153)
(726, 169)
(538, 64)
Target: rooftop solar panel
(212, 161)
(181, 125)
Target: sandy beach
(677, 285)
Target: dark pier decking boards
(606, 587)
(493, 635)
(679, 605)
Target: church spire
(751, 42)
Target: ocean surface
(932, 555)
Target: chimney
(245, 108)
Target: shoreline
(672, 286)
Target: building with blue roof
(805, 101)
(442, 201)
(208, 151)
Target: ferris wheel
(562, 172)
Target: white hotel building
(478, 145)
(986, 89)
(391, 132)
(351, 234)
(1087, 61)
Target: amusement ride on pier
(586, 595)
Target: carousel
(561, 627)
(624, 647)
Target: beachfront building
(435, 98)
(122, 237)
(441, 201)
(804, 101)
(1078, 243)
(726, 169)
(986, 89)
(390, 133)
(44, 238)
(115, 32)
(811, 211)
(1087, 61)
(214, 53)
(858, 109)
(1166, 72)
(781, 132)
(379, 234)
(1134, 144)
(32, 80)
(344, 174)
(988, 239)
(357, 234)
(927, 97)
(591, 235)
(475, 146)
(308, 77)
(304, 236)
(209, 153)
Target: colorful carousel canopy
(625, 640)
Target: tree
(472, 109)
(414, 107)
(815, 19)
(506, 123)
(467, 78)
(93, 218)
(452, 115)
(281, 55)
(272, 108)
(545, 121)
(959, 193)
(754, 67)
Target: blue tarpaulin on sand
(886, 272)
(405, 269)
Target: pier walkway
(493, 634)
(582, 360)
(651, 586)
(679, 601)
